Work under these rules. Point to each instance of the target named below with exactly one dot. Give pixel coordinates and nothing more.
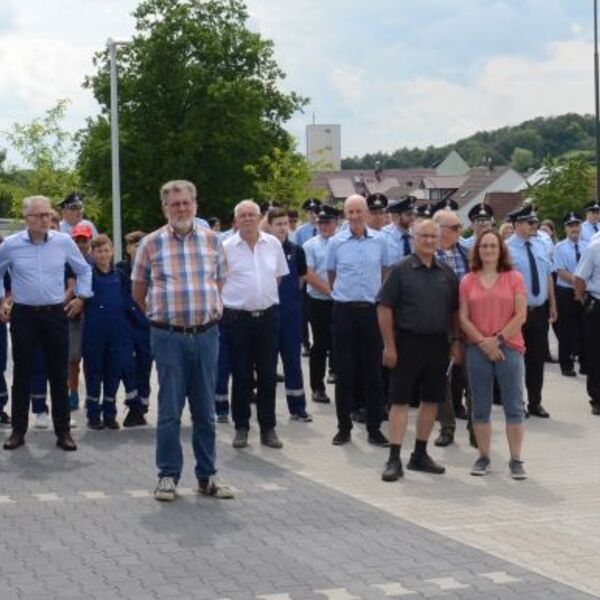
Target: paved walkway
(311, 521)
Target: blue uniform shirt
(394, 236)
(290, 294)
(588, 269)
(520, 260)
(316, 252)
(565, 258)
(357, 263)
(304, 233)
(587, 231)
(38, 270)
(467, 243)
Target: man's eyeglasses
(40, 215)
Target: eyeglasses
(489, 246)
(40, 215)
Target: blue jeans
(186, 366)
(509, 374)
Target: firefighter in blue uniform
(291, 311)
(106, 338)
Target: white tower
(324, 147)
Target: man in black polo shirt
(417, 308)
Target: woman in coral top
(493, 307)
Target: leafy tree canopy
(199, 100)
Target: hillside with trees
(523, 146)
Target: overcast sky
(393, 73)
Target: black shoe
(340, 438)
(596, 409)
(271, 439)
(134, 418)
(460, 412)
(392, 470)
(95, 422)
(16, 440)
(321, 397)
(378, 439)
(568, 372)
(359, 416)
(444, 439)
(66, 442)
(424, 463)
(539, 411)
(111, 423)
(4, 419)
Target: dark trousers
(570, 327)
(457, 385)
(253, 344)
(319, 315)
(535, 332)
(305, 318)
(358, 347)
(47, 327)
(591, 353)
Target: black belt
(40, 307)
(255, 314)
(361, 305)
(536, 308)
(188, 329)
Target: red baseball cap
(82, 230)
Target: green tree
(567, 187)
(48, 151)
(283, 175)
(522, 159)
(199, 100)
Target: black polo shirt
(423, 298)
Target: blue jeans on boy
(509, 374)
(186, 366)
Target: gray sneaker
(516, 469)
(215, 488)
(481, 466)
(165, 489)
(241, 438)
(271, 439)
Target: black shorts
(422, 364)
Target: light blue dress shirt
(357, 263)
(304, 233)
(520, 260)
(565, 258)
(588, 269)
(202, 222)
(587, 231)
(393, 235)
(467, 243)
(315, 250)
(38, 270)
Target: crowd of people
(403, 311)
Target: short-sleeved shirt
(424, 299)
(290, 294)
(588, 269)
(520, 259)
(357, 262)
(316, 251)
(183, 274)
(490, 309)
(395, 238)
(253, 272)
(588, 231)
(303, 233)
(565, 257)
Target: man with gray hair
(177, 276)
(36, 259)
(256, 263)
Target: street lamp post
(597, 98)
(114, 131)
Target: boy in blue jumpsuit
(106, 337)
(290, 307)
(136, 374)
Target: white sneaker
(42, 420)
(165, 489)
(73, 423)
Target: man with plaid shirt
(177, 277)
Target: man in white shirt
(255, 262)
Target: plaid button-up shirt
(183, 273)
(456, 258)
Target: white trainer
(42, 420)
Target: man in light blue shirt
(320, 303)
(587, 287)
(530, 258)
(357, 261)
(72, 214)
(399, 232)
(36, 259)
(481, 216)
(567, 255)
(592, 221)
(308, 229)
